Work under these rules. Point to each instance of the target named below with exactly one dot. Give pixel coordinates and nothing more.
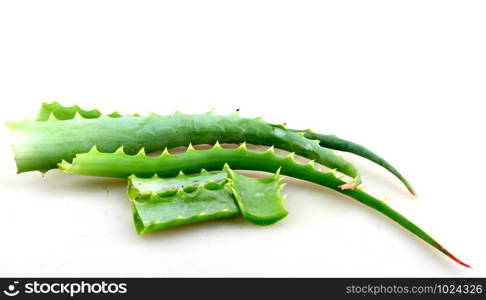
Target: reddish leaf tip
(457, 260)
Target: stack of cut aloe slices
(198, 185)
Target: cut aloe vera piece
(258, 198)
(160, 203)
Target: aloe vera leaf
(155, 207)
(334, 142)
(57, 111)
(259, 199)
(325, 140)
(119, 164)
(41, 145)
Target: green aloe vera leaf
(120, 164)
(154, 209)
(55, 111)
(326, 140)
(62, 132)
(259, 199)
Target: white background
(405, 78)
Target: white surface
(405, 78)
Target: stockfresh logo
(66, 288)
(12, 290)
